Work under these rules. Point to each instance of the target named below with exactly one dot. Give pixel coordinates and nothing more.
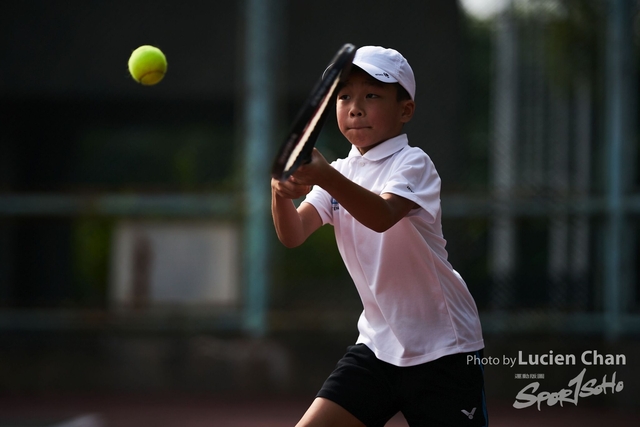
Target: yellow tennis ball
(147, 65)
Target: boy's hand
(312, 173)
(289, 189)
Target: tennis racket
(298, 146)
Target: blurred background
(140, 275)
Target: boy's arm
(293, 226)
(377, 212)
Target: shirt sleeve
(415, 178)
(321, 200)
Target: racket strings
(308, 130)
(298, 147)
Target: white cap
(387, 66)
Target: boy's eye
(343, 97)
(372, 95)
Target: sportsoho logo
(577, 388)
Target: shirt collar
(385, 149)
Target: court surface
(134, 410)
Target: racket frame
(297, 148)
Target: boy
(420, 325)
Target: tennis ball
(147, 65)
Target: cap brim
(375, 72)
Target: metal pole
(259, 127)
(581, 232)
(618, 42)
(503, 157)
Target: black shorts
(445, 392)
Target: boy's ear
(408, 107)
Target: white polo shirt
(417, 308)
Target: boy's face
(369, 112)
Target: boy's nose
(356, 112)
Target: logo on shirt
(334, 204)
(409, 188)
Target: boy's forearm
(286, 220)
(370, 209)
